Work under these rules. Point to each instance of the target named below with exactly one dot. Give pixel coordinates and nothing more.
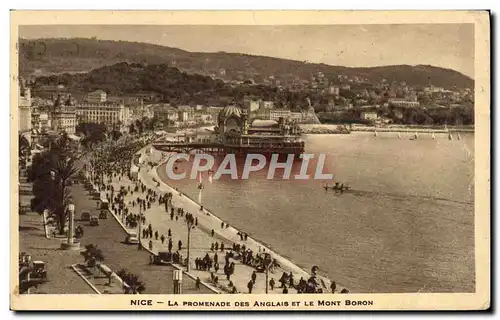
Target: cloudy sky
(443, 45)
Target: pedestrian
(170, 245)
(180, 245)
(216, 267)
(222, 225)
(150, 245)
(290, 280)
(333, 286)
(216, 247)
(176, 218)
(196, 221)
(285, 290)
(222, 246)
(272, 283)
(213, 232)
(198, 282)
(250, 286)
(212, 247)
(162, 239)
(156, 235)
(169, 232)
(254, 276)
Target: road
(109, 237)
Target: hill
(52, 56)
(174, 86)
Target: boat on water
(376, 133)
(416, 135)
(433, 136)
(341, 187)
(399, 135)
(458, 136)
(450, 136)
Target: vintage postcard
(250, 160)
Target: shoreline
(286, 263)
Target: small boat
(376, 134)
(399, 135)
(450, 136)
(458, 136)
(433, 136)
(416, 135)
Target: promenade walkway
(201, 236)
(109, 236)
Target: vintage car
(85, 216)
(94, 221)
(104, 204)
(103, 214)
(38, 270)
(132, 238)
(164, 257)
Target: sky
(442, 45)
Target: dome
(229, 111)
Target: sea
(406, 225)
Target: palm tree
(132, 283)
(51, 173)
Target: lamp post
(267, 261)
(189, 223)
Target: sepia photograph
(250, 160)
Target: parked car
(132, 238)
(103, 214)
(94, 221)
(164, 257)
(39, 271)
(85, 216)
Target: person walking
(254, 276)
(333, 286)
(156, 235)
(271, 283)
(213, 232)
(162, 239)
(180, 245)
(250, 286)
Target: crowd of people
(133, 212)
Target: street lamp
(190, 224)
(267, 262)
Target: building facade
(98, 96)
(403, 103)
(109, 114)
(63, 115)
(24, 107)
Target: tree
(93, 255)
(51, 172)
(132, 283)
